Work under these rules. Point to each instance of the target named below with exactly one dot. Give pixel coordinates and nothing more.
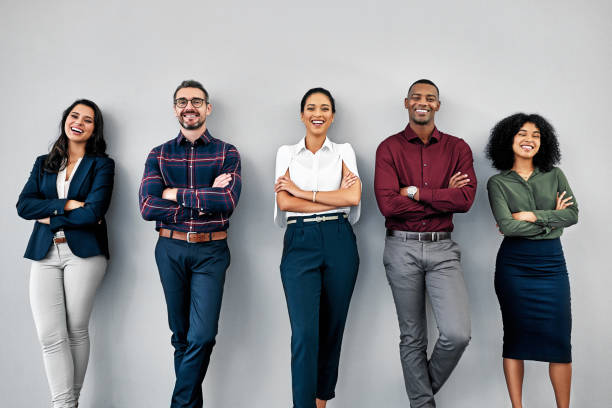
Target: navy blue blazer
(84, 227)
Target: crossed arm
(530, 223)
(393, 200)
(69, 206)
(158, 202)
(62, 213)
(290, 197)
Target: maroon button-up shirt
(403, 160)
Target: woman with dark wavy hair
(67, 194)
(532, 203)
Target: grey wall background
(489, 59)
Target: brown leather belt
(193, 237)
(59, 240)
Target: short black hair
(190, 83)
(424, 81)
(499, 147)
(321, 91)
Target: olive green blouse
(510, 193)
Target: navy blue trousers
(318, 269)
(192, 276)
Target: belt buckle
(189, 235)
(433, 236)
(319, 219)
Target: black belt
(419, 236)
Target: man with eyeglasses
(422, 177)
(190, 187)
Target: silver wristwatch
(411, 191)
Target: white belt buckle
(188, 235)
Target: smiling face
(422, 103)
(189, 117)
(526, 142)
(317, 114)
(79, 124)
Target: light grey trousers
(413, 269)
(62, 291)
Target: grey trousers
(413, 269)
(62, 290)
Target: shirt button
(426, 184)
(424, 164)
(190, 186)
(423, 222)
(55, 212)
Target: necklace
(524, 175)
(71, 162)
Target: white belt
(320, 218)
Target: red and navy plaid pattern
(192, 168)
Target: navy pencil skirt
(532, 286)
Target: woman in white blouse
(67, 194)
(318, 195)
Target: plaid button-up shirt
(192, 168)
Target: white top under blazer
(62, 184)
(62, 188)
(321, 171)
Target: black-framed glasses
(195, 102)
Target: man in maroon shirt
(422, 177)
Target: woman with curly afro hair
(532, 202)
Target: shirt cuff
(183, 197)
(425, 195)
(541, 217)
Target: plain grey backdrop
(489, 58)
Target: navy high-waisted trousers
(318, 269)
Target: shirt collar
(301, 145)
(411, 136)
(535, 171)
(205, 138)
